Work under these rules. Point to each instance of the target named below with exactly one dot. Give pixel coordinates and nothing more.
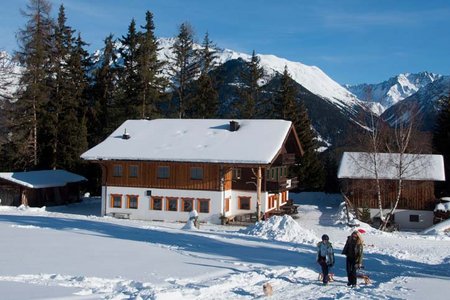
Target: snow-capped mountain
(9, 76)
(310, 77)
(422, 104)
(393, 90)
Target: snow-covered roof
(360, 165)
(194, 140)
(42, 179)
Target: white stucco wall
(402, 218)
(143, 212)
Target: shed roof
(194, 140)
(42, 179)
(360, 165)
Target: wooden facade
(179, 176)
(416, 195)
(216, 177)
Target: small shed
(39, 188)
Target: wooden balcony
(282, 184)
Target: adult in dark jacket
(325, 257)
(353, 250)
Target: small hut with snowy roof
(39, 188)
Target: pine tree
(63, 134)
(127, 105)
(152, 85)
(34, 55)
(58, 84)
(310, 169)
(441, 140)
(208, 55)
(104, 91)
(249, 93)
(73, 127)
(184, 67)
(284, 103)
(205, 100)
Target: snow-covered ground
(70, 252)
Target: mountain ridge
(394, 89)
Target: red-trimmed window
(284, 197)
(244, 203)
(156, 203)
(187, 204)
(272, 200)
(132, 202)
(116, 201)
(227, 204)
(203, 205)
(171, 204)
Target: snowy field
(70, 252)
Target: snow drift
(281, 228)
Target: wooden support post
(258, 194)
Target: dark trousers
(351, 271)
(323, 264)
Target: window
(133, 201)
(188, 204)
(227, 204)
(196, 173)
(203, 205)
(237, 174)
(156, 203)
(172, 204)
(116, 201)
(244, 203)
(284, 197)
(133, 171)
(414, 218)
(117, 170)
(163, 172)
(272, 200)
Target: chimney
(125, 135)
(234, 126)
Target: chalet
(39, 188)
(418, 173)
(162, 169)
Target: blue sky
(353, 41)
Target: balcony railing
(282, 184)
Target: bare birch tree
(391, 151)
(406, 159)
(369, 160)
